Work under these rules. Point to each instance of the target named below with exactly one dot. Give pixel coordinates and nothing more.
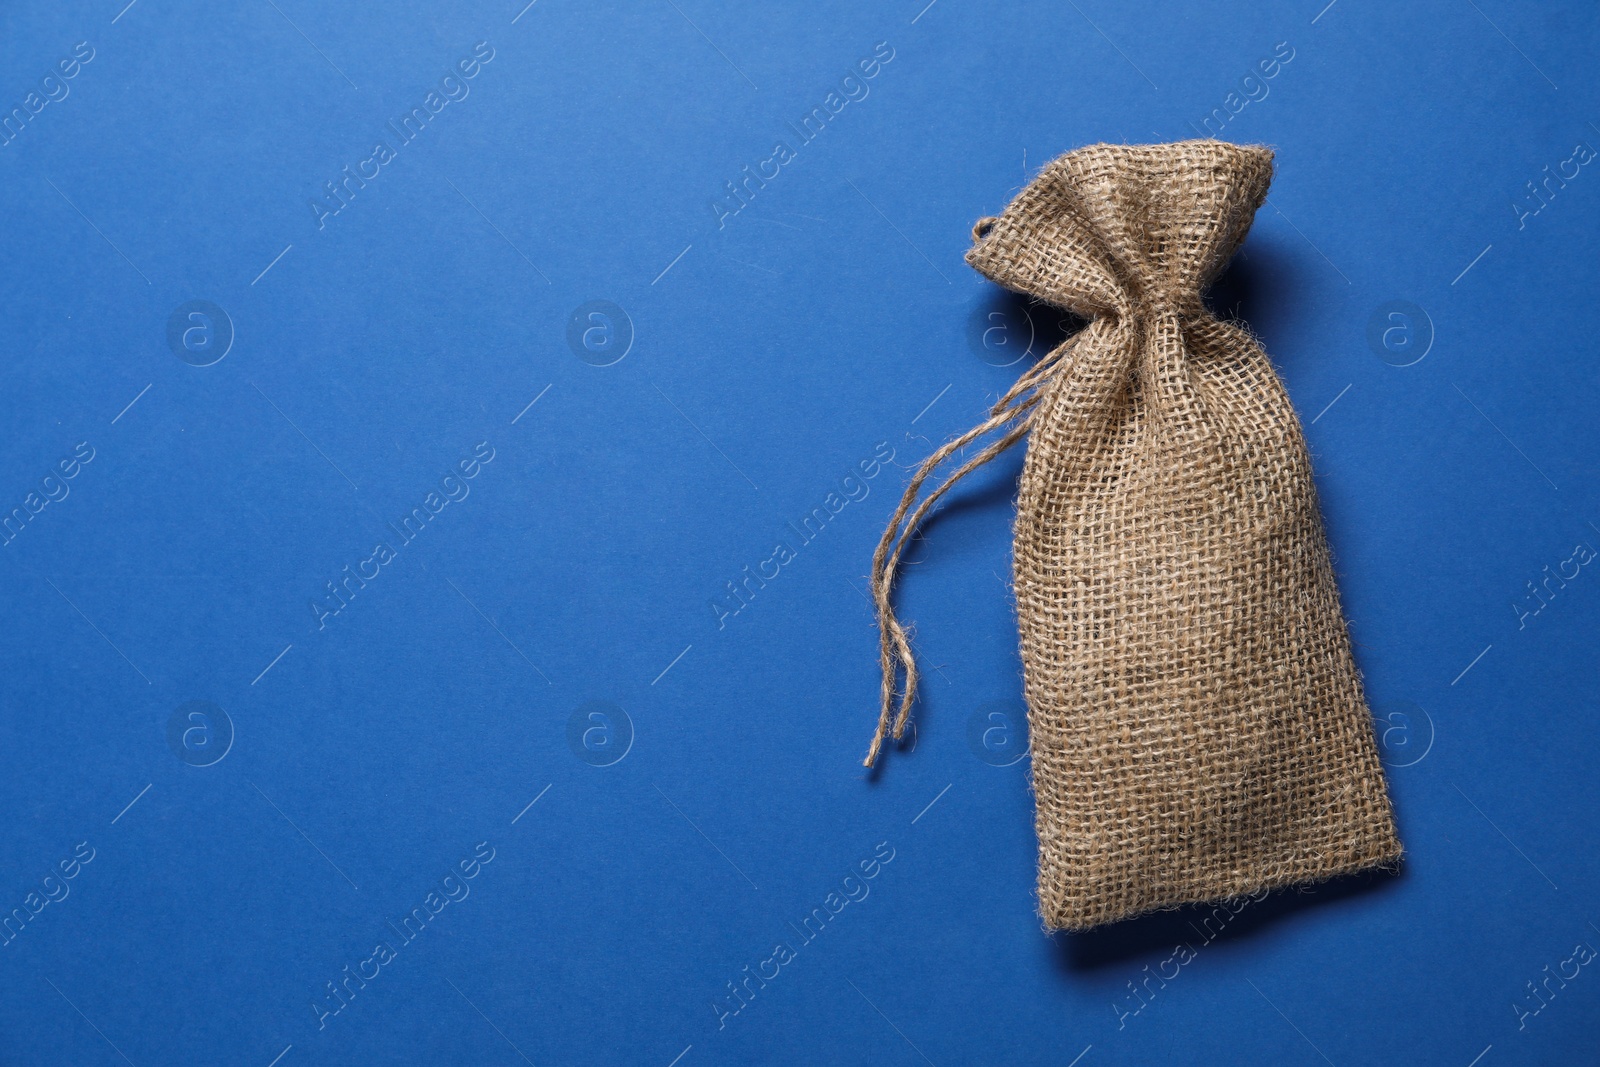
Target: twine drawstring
(1015, 410)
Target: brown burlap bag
(1196, 720)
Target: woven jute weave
(1196, 720)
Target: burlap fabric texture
(1196, 720)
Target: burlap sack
(1196, 720)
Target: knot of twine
(1013, 413)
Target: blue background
(772, 350)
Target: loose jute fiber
(1196, 719)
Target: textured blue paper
(538, 726)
